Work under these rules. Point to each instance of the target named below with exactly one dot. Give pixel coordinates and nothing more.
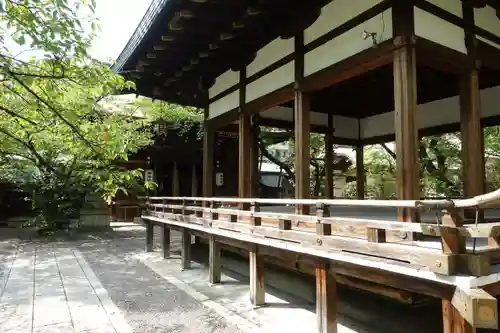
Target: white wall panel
(223, 82)
(335, 14)
(348, 44)
(442, 112)
(487, 19)
(436, 29)
(224, 104)
(269, 54)
(487, 41)
(271, 82)
(345, 127)
(452, 6)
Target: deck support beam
(329, 186)
(257, 290)
(214, 265)
(149, 235)
(405, 102)
(326, 299)
(186, 249)
(166, 241)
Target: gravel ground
(148, 302)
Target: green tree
(59, 140)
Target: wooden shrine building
(360, 72)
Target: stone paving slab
(49, 288)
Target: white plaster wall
(335, 14)
(345, 127)
(223, 82)
(452, 6)
(442, 112)
(487, 19)
(271, 82)
(487, 41)
(349, 43)
(269, 54)
(435, 29)
(224, 104)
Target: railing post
(214, 215)
(214, 260)
(149, 235)
(254, 208)
(166, 241)
(186, 249)
(326, 299)
(322, 229)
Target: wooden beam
(166, 241)
(326, 299)
(329, 159)
(477, 308)
(186, 249)
(257, 290)
(149, 235)
(453, 322)
(214, 264)
(405, 102)
(360, 172)
(244, 157)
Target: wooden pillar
(257, 290)
(149, 236)
(245, 157)
(254, 161)
(194, 182)
(405, 102)
(166, 241)
(329, 186)
(326, 300)
(214, 264)
(360, 172)
(175, 181)
(208, 161)
(302, 129)
(186, 249)
(453, 321)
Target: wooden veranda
(359, 72)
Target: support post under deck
(149, 235)
(453, 321)
(326, 299)
(186, 250)
(214, 265)
(166, 241)
(257, 290)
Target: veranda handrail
(477, 201)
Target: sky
(118, 20)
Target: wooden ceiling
(200, 39)
(191, 42)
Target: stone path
(52, 289)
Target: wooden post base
(166, 242)
(326, 299)
(257, 291)
(149, 236)
(186, 249)
(453, 322)
(214, 265)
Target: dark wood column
(302, 129)
(329, 159)
(360, 172)
(208, 161)
(453, 321)
(326, 299)
(405, 103)
(245, 157)
(254, 162)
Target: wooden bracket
(477, 307)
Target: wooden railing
(445, 251)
